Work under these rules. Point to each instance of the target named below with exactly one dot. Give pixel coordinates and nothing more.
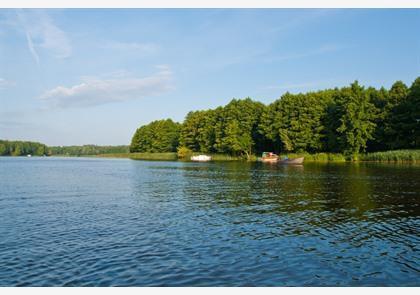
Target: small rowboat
(269, 157)
(297, 161)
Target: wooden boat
(297, 161)
(201, 158)
(269, 157)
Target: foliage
(237, 128)
(356, 117)
(23, 148)
(295, 122)
(157, 137)
(404, 124)
(197, 131)
(184, 152)
(87, 150)
(332, 124)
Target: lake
(119, 222)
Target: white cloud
(31, 47)
(6, 83)
(98, 91)
(42, 33)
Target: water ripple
(100, 222)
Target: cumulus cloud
(6, 83)
(42, 33)
(98, 91)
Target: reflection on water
(101, 222)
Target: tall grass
(217, 157)
(154, 156)
(393, 156)
(225, 157)
(171, 156)
(318, 157)
(114, 155)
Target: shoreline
(396, 156)
(411, 157)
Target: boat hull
(297, 161)
(201, 158)
(269, 160)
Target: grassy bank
(318, 157)
(174, 157)
(393, 156)
(387, 156)
(154, 156)
(114, 155)
(221, 157)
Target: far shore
(397, 156)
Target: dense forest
(348, 120)
(22, 148)
(158, 136)
(87, 150)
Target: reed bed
(392, 156)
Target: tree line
(348, 120)
(88, 150)
(23, 148)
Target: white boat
(201, 158)
(29, 155)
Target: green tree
(3, 149)
(404, 123)
(17, 151)
(357, 115)
(197, 131)
(295, 122)
(236, 127)
(158, 136)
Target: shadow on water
(362, 212)
(347, 190)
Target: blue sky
(84, 76)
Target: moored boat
(201, 158)
(269, 157)
(297, 161)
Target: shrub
(184, 152)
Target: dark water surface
(105, 222)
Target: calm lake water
(118, 222)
